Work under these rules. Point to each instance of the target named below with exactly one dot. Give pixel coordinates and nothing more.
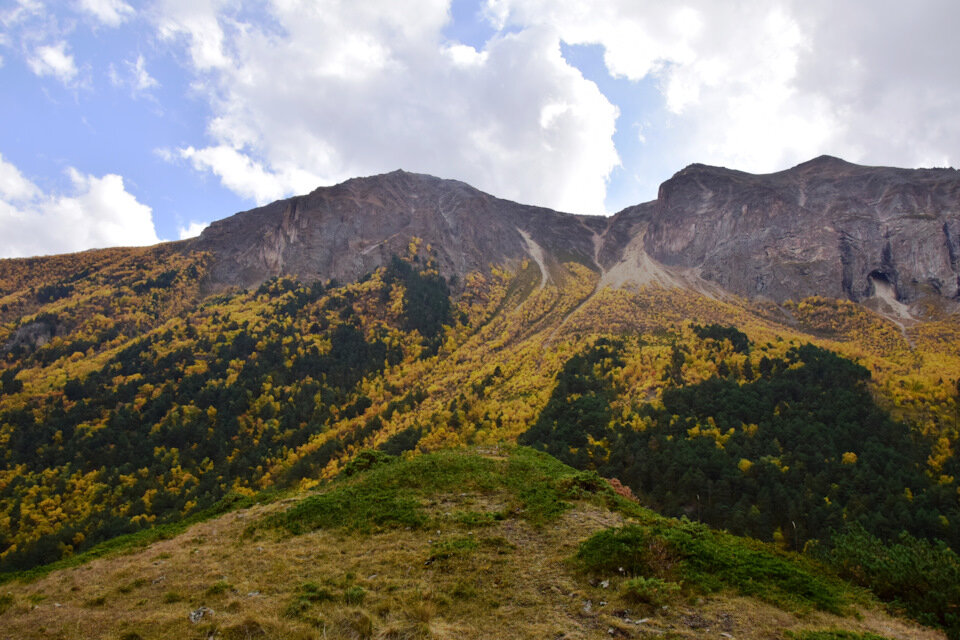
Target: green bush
(354, 595)
(919, 576)
(624, 550)
(366, 459)
(652, 591)
(711, 560)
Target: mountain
(825, 227)
(351, 229)
(143, 389)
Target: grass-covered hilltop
(487, 542)
(402, 408)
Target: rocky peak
(824, 227)
(350, 229)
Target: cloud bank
(98, 212)
(757, 86)
(371, 87)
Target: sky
(131, 123)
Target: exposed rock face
(824, 227)
(348, 230)
(30, 336)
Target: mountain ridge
(823, 227)
(886, 236)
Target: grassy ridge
(422, 545)
(391, 492)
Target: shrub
(218, 588)
(921, 577)
(649, 590)
(366, 459)
(623, 550)
(711, 560)
(354, 595)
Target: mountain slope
(143, 386)
(349, 230)
(493, 543)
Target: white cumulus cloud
(302, 94)
(313, 95)
(762, 85)
(53, 60)
(112, 13)
(98, 212)
(192, 230)
(135, 76)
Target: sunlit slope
(494, 542)
(145, 403)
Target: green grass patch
(354, 595)
(99, 601)
(6, 601)
(653, 591)
(362, 508)
(308, 594)
(478, 518)
(710, 561)
(218, 588)
(130, 586)
(389, 493)
(452, 547)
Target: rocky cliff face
(348, 230)
(825, 227)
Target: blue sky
(133, 122)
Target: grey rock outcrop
(348, 230)
(825, 227)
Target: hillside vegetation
(489, 543)
(129, 399)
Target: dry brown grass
(516, 583)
